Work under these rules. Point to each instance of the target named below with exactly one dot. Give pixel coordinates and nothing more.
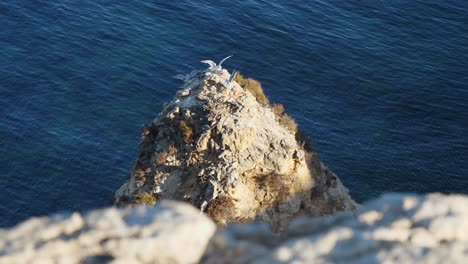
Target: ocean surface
(380, 87)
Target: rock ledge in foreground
(395, 228)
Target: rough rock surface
(217, 148)
(395, 228)
(169, 233)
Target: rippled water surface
(381, 87)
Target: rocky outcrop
(395, 228)
(169, 233)
(233, 155)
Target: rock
(395, 228)
(239, 160)
(169, 233)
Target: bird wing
(209, 62)
(180, 77)
(233, 75)
(221, 62)
(193, 73)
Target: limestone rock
(169, 233)
(216, 147)
(395, 228)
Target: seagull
(233, 75)
(228, 82)
(186, 78)
(221, 62)
(213, 65)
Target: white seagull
(186, 78)
(228, 82)
(233, 75)
(213, 66)
(221, 62)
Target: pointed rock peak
(221, 146)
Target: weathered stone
(169, 233)
(234, 158)
(393, 229)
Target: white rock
(171, 232)
(381, 231)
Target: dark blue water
(381, 87)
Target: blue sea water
(381, 88)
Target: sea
(380, 87)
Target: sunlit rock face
(395, 228)
(169, 233)
(216, 147)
